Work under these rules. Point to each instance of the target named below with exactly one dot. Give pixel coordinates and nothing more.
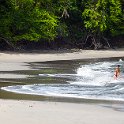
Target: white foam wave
(47, 90)
(56, 75)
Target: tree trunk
(10, 44)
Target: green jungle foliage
(81, 23)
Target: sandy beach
(55, 55)
(34, 112)
(43, 112)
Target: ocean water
(84, 80)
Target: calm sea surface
(70, 80)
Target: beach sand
(55, 55)
(43, 112)
(36, 112)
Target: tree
(101, 16)
(72, 21)
(22, 20)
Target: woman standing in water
(117, 72)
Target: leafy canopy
(26, 21)
(102, 15)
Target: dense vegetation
(38, 24)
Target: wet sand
(40, 112)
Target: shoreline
(47, 112)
